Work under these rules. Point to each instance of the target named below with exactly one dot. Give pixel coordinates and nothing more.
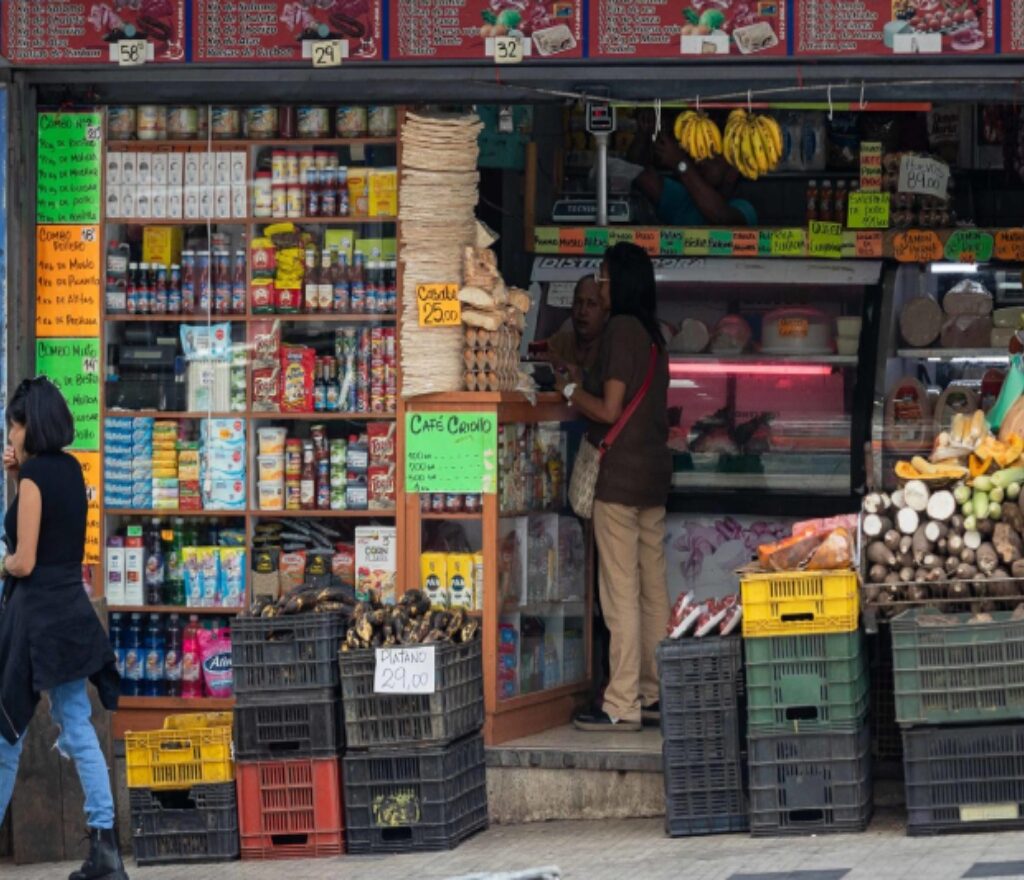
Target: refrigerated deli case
(772, 372)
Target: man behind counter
(696, 193)
(577, 342)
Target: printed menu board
(425, 30)
(661, 29)
(284, 30)
(52, 32)
(1012, 31)
(894, 27)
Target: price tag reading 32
(439, 305)
(508, 50)
(404, 670)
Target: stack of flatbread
(438, 193)
(494, 317)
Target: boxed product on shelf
(434, 578)
(317, 556)
(376, 550)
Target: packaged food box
(162, 244)
(381, 438)
(376, 562)
(381, 487)
(434, 578)
(461, 586)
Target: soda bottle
(174, 573)
(174, 290)
(131, 684)
(325, 282)
(191, 662)
(153, 574)
(172, 657)
(160, 296)
(153, 679)
(319, 388)
(117, 642)
(131, 292)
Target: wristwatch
(683, 167)
(569, 391)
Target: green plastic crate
(806, 684)
(958, 672)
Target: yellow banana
(771, 138)
(681, 120)
(715, 138)
(757, 145)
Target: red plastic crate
(290, 809)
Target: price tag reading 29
(404, 670)
(439, 305)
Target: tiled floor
(623, 850)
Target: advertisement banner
(953, 28)
(440, 30)
(54, 33)
(285, 30)
(628, 29)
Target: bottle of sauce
(357, 288)
(307, 480)
(840, 202)
(339, 277)
(325, 282)
(312, 284)
(825, 202)
(320, 388)
(812, 200)
(191, 663)
(333, 385)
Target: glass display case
(944, 349)
(770, 371)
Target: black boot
(104, 861)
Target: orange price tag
(745, 242)
(869, 245)
(1010, 245)
(571, 241)
(917, 246)
(439, 305)
(649, 240)
(68, 279)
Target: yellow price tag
(439, 305)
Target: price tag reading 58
(131, 53)
(439, 305)
(404, 670)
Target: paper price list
(231, 29)
(838, 25)
(43, 30)
(623, 26)
(424, 26)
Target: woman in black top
(50, 637)
(632, 488)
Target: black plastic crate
(809, 783)
(715, 734)
(886, 736)
(294, 652)
(964, 778)
(455, 709)
(294, 724)
(415, 800)
(703, 795)
(199, 824)
(700, 673)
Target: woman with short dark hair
(632, 487)
(50, 637)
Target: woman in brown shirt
(632, 488)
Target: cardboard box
(114, 572)
(143, 203)
(383, 187)
(128, 164)
(434, 579)
(461, 585)
(113, 204)
(144, 168)
(113, 168)
(376, 562)
(127, 200)
(207, 169)
(222, 168)
(239, 169)
(239, 202)
(158, 162)
(176, 169)
(175, 203)
(192, 162)
(158, 201)
(222, 202)
(162, 244)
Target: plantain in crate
(411, 622)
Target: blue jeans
(72, 712)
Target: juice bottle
(131, 684)
(172, 657)
(153, 677)
(191, 663)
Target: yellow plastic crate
(190, 750)
(796, 603)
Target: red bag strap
(627, 413)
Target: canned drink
(121, 125)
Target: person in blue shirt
(693, 193)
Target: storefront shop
(242, 261)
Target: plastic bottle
(153, 567)
(153, 678)
(117, 641)
(191, 662)
(131, 684)
(173, 657)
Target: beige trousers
(634, 600)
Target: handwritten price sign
(439, 305)
(404, 670)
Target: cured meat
(921, 322)
(789, 554)
(967, 331)
(967, 298)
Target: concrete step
(566, 773)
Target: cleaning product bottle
(153, 677)
(172, 657)
(191, 662)
(131, 684)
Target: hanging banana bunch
(698, 135)
(752, 143)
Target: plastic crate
(700, 674)
(415, 800)
(958, 673)
(297, 724)
(294, 652)
(806, 683)
(455, 709)
(199, 824)
(809, 783)
(886, 741)
(290, 809)
(964, 778)
(703, 794)
(190, 752)
(798, 603)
